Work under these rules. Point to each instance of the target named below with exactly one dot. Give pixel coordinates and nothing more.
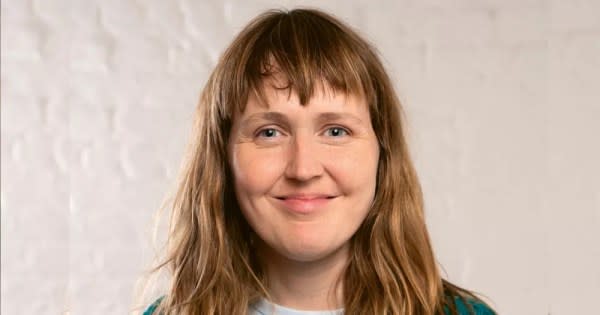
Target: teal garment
(153, 307)
(478, 307)
(262, 306)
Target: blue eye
(337, 131)
(268, 132)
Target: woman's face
(304, 176)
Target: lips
(304, 204)
(305, 196)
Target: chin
(308, 252)
(305, 256)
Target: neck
(304, 285)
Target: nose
(303, 159)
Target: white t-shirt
(264, 307)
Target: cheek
(355, 171)
(255, 172)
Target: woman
(299, 195)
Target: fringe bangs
(300, 52)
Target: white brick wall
(503, 101)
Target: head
(300, 106)
(304, 175)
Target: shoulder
(150, 310)
(465, 306)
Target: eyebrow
(283, 119)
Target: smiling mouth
(301, 198)
(303, 205)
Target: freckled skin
(304, 155)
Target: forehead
(274, 95)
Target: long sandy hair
(392, 268)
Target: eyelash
(261, 131)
